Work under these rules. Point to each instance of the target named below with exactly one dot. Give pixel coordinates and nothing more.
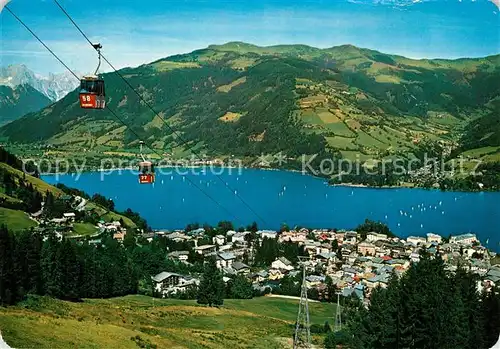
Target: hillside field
(16, 220)
(264, 322)
(244, 100)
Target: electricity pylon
(338, 315)
(488, 257)
(302, 338)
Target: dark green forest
(18, 164)
(28, 199)
(19, 101)
(483, 132)
(428, 307)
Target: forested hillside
(18, 101)
(483, 132)
(428, 307)
(22, 194)
(246, 100)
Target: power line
(192, 182)
(176, 133)
(36, 36)
(338, 315)
(302, 335)
(114, 114)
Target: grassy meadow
(132, 321)
(84, 229)
(16, 220)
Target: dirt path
(290, 297)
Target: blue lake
(279, 196)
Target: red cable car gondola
(146, 169)
(92, 93)
(146, 172)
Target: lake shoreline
(354, 185)
(281, 196)
(134, 171)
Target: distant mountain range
(22, 91)
(54, 86)
(244, 100)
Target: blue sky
(134, 32)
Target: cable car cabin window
(87, 86)
(146, 168)
(99, 86)
(92, 87)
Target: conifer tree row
(428, 307)
(45, 265)
(62, 268)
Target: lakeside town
(355, 267)
(353, 262)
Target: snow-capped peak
(54, 86)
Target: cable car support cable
(183, 142)
(116, 116)
(98, 48)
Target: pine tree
(380, 323)
(70, 270)
(427, 308)
(326, 327)
(433, 302)
(456, 331)
(8, 183)
(267, 252)
(491, 309)
(90, 272)
(8, 280)
(129, 240)
(211, 289)
(330, 341)
(290, 251)
(51, 267)
(28, 256)
(335, 245)
(241, 288)
(331, 290)
(253, 227)
(358, 336)
(470, 298)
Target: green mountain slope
(16, 220)
(21, 193)
(263, 322)
(480, 142)
(19, 101)
(245, 100)
(483, 132)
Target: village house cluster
(355, 264)
(64, 226)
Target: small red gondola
(92, 93)
(146, 172)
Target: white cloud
(388, 2)
(2, 4)
(408, 2)
(130, 40)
